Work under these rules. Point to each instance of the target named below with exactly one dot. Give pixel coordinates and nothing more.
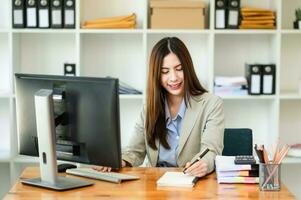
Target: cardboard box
(177, 14)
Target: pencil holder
(269, 177)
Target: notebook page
(176, 179)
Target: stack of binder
(43, 14)
(120, 22)
(257, 18)
(228, 172)
(227, 14)
(261, 78)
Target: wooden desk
(145, 188)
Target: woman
(180, 119)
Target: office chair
(238, 141)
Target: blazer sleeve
(213, 133)
(134, 153)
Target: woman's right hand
(107, 169)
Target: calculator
(244, 160)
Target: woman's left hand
(198, 169)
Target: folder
(253, 76)
(69, 13)
(220, 14)
(258, 26)
(43, 11)
(268, 79)
(18, 13)
(56, 8)
(233, 14)
(31, 13)
(69, 69)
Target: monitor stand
(47, 154)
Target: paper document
(176, 179)
(238, 180)
(226, 163)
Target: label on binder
(43, 18)
(220, 18)
(18, 16)
(56, 17)
(69, 17)
(233, 18)
(268, 84)
(255, 80)
(31, 17)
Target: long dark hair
(155, 107)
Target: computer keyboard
(105, 176)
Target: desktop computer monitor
(86, 114)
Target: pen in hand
(199, 158)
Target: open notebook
(177, 179)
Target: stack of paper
(295, 150)
(121, 22)
(257, 18)
(230, 85)
(176, 179)
(228, 172)
(127, 89)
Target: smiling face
(172, 76)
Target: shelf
(44, 53)
(251, 31)
(290, 96)
(97, 51)
(5, 95)
(112, 31)
(247, 97)
(291, 160)
(294, 31)
(177, 31)
(95, 9)
(3, 30)
(4, 156)
(52, 31)
(290, 71)
(25, 159)
(288, 13)
(131, 96)
(121, 96)
(5, 72)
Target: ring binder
(56, 13)
(31, 14)
(268, 79)
(43, 11)
(69, 13)
(69, 69)
(220, 14)
(253, 76)
(233, 14)
(18, 13)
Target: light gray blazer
(202, 127)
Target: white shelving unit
(125, 53)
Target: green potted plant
(297, 23)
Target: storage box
(177, 14)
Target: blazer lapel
(189, 121)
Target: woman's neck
(174, 100)
(174, 103)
